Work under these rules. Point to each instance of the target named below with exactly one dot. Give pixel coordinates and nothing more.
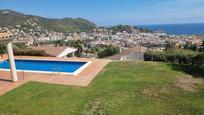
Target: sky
(113, 12)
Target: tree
(2, 49)
(59, 43)
(79, 45)
(199, 59)
(170, 45)
(108, 51)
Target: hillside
(12, 18)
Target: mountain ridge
(12, 18)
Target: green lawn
(122, 88)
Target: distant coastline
(178, 29)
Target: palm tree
(79, 45)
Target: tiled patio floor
(82, 79)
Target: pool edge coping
(75, 73)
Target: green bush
(2, 49)
(199, 59)
(19, 46)
(30, 53)
(174, 56)
(108, 51)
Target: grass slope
(122, 88)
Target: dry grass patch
(189, 83)
(154, 93)
(127, 64)
(95, 107)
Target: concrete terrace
(82, 79)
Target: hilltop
(9, 18)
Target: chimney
(120, 49)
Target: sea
(178, 29)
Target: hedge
(199, 59)
(109, 51)
(175, 56)
(30, 53)
(2, 48)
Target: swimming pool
(46, 66)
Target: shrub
(2, 49)
(19, 46)
(30, 53)
(109, 51)
(199, 59)
(174, 56)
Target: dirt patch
(150, 93)
(189, 83)
(127, 64)
(154, 93)
(95, 108)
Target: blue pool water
(45, 66)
